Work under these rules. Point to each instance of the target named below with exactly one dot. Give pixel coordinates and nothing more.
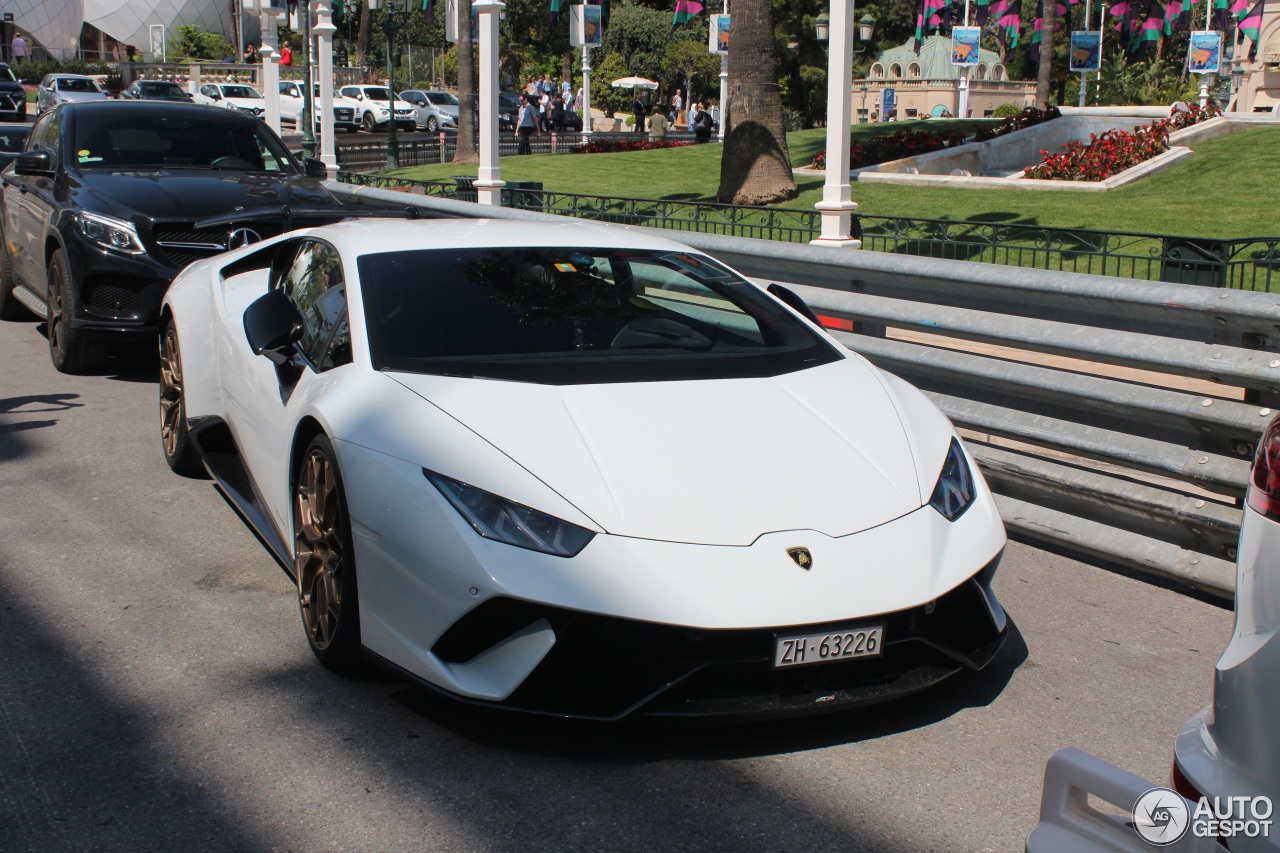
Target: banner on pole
(718, 35)
(1204, 54)
(964, 45)
(584, 26)
(1086, 50)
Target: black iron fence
(1244, 264)
(423, 150)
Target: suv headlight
(506, 521)
(111, 233)
(955, 490)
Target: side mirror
(314, 168)
(794, 301)
(272, 325)
(33, 163)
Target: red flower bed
(1114, 151)
(610, 146)
(1029, 117)
(895, 146)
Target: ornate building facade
(927, 84)
(99, 29)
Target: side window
(315, 284)
(46, 134)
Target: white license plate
(867, 641)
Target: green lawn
(1223, 191)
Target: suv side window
(46, 135)
(315, 284)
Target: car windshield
(77, 84)
(375, 94)
(442, 98)
(508, 100)
(171, 90)
(576, 316)
(240, 92)
(6, 73)
(123, 139)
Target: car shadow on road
(643, 740)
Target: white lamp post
(267, 16)
(585, 106)
(489, 181)
(325, 29)
(837, 205)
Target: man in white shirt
(19, 47)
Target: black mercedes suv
(109, 200)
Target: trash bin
(523, 195)
(1202, 262)
(465, 188)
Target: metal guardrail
(1244, 264)
(1110, 419)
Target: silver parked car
(1225, 779)
(57, 89)
(433, 110)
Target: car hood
(710, 462)
(10, 86)
(181, 194)
(81, 96)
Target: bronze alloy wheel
(178, 451)
(323, 560)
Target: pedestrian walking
(527, 124)
(701, 123)
(637, 112)
(19, 48)
(286, 55)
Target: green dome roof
(934, 58)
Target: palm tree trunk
(362, 37)
(468, 143)
(755, 167)
(1048, 14)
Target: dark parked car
(13, 98)
(12, 138)
(508, 112)
(111, 199)
(156, 90)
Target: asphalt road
(156, 692)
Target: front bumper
(603, 667)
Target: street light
(862, 116)
(822, 28)
(866, 27)
(390, 28)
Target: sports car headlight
(955, 490)
(507, 521)
(111, 233)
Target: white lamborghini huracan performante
(575, 470)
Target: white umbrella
(634, 83)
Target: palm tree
(755, 167)
(465, 151)
(1048, 14)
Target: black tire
(69, 349)
(179, 451)
(432, 124)
(10, 308)
(366, 122)
(324, 560)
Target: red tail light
(1183, 785)
(1264, 483)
